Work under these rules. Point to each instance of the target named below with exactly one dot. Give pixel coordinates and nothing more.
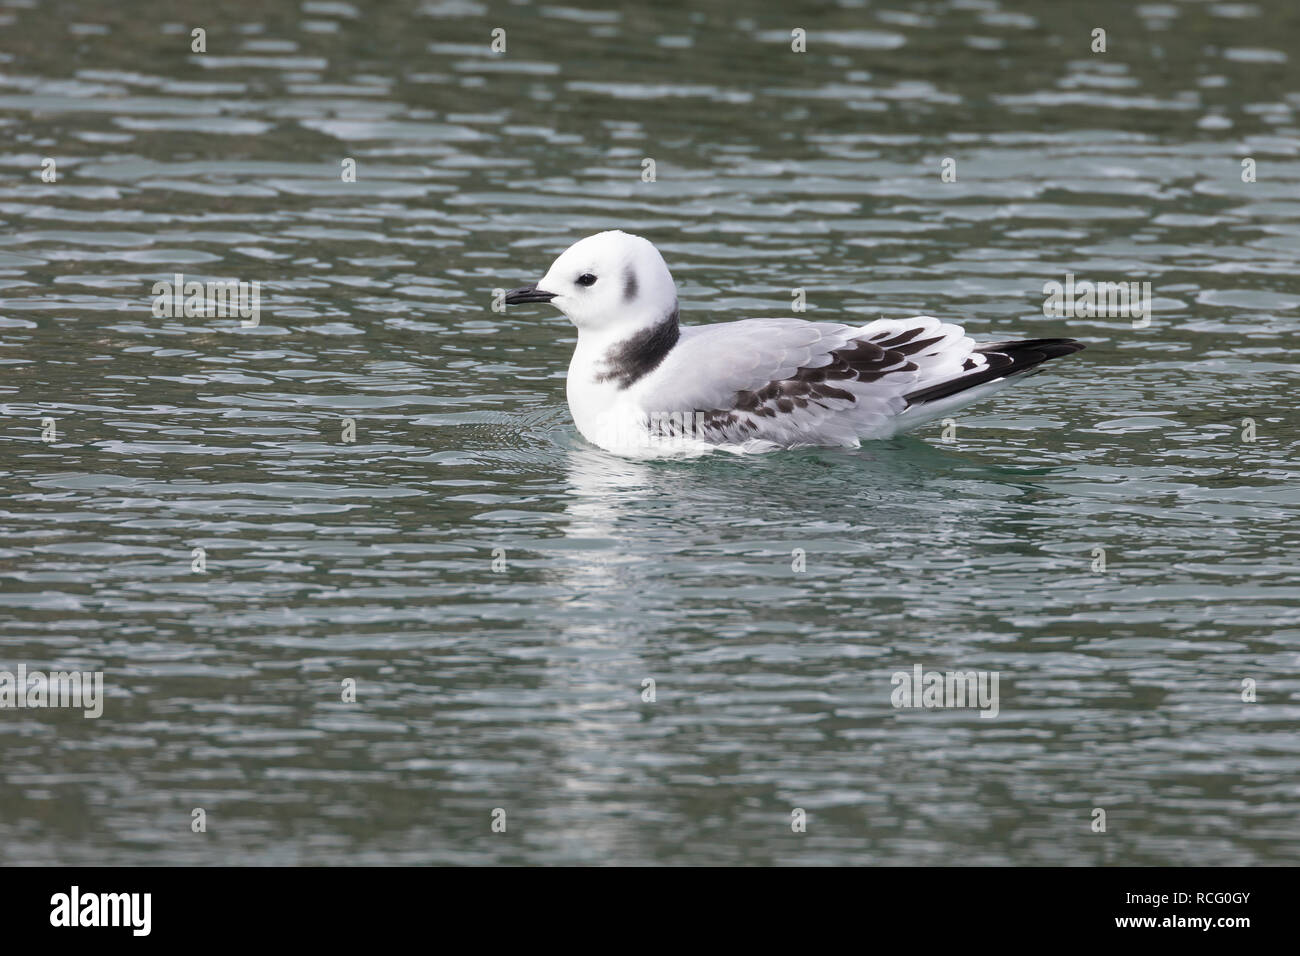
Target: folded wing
(788, 382)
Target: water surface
(521, 688)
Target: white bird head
(610, 282)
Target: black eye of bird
(586, 279)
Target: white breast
(605, 415)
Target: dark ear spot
(629, 284)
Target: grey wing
(791, 382)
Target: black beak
(528, 293)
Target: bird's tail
(1003, 362)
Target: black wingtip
(1050, 348)
(1005, 359)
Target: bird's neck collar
(624, 355)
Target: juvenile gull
(640, 383)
